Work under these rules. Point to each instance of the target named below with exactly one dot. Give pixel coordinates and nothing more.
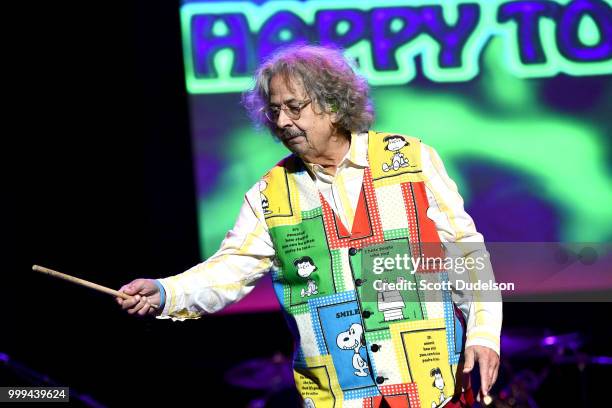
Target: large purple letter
(384, 41)
(270, 35)
(568, 40)
(527, 15)
(205, 43)
(327, 23)
(451, 39)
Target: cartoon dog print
(352, 339)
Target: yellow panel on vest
(394, 158)
(279, 198)
(319, 382)
(422, 353)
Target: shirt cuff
(162, 294)
(488, 341)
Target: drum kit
(527, 359)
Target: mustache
(290, 133)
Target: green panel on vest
(305, 259)
(317, 212)
(383, 264)
(396, 234)
(337, 270)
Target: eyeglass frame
(287, 110)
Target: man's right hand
(145, 293)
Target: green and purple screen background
(516, 97)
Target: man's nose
(283, 120)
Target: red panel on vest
(366, 229)
(428, 231)
(342, 231)
(361, 224)
(424, 238)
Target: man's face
(308, 136)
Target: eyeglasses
(293, 111)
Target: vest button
(374, 347)
(366, 314)
(380, 379)
(352, 251)
(358, 282)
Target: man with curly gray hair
(344, 194)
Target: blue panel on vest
(458, 335)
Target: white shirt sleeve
(459, 235)
(246, 254)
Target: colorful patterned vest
(356, 344)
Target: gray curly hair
(327, 78)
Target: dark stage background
(105, 191)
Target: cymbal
(262, 373)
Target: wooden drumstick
(84, 282)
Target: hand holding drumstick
(140, 296)
(144, 295)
